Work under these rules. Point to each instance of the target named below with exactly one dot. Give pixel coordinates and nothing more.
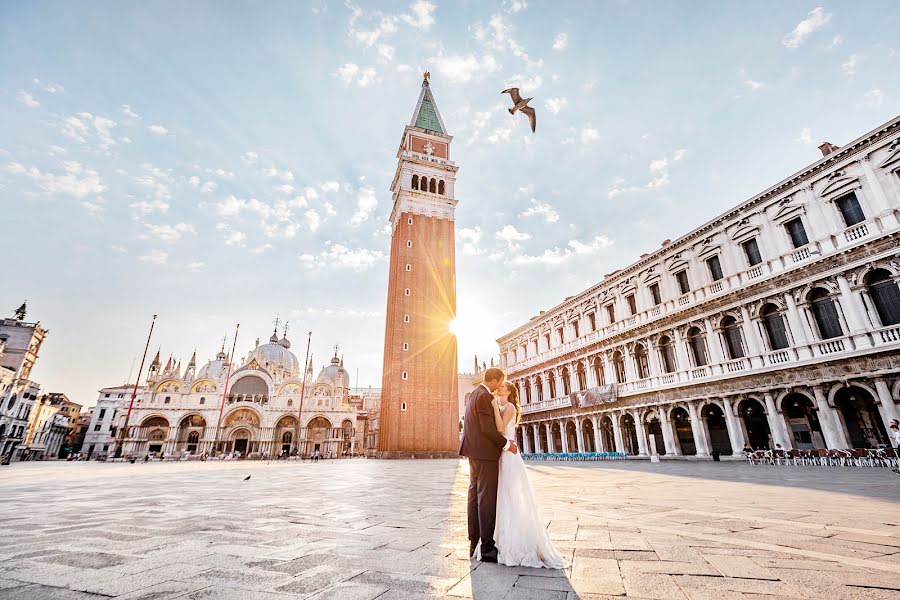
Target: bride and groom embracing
(505, 522)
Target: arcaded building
(775, 323)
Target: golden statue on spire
(426, 75)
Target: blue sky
(226, 162)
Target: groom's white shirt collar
(487, 388)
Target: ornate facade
(776, 323)
(258, 415)
(419, 410)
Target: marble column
(578, 434)
(608, 370)
(653, 359)
(777, 424)
(735, 433)
(696, 431)
(801, 339)
(598, 439)
(832, 425)
(617, 432)
(854, 311)
(667, 431)
(564, 435)
(551, 446)
(641, 434)
(545, 384)
(589, 373)
(536, 432)
(681, 355)
(630, 368)
(886, 407)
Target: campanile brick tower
(419, 402)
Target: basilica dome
(276, 356)
(334, 374)
(214, 369)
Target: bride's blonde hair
(514, 399)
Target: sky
(216, 163)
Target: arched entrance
(587, 435)
(718, 429)
(684, 434)
(157, 429)
(803, 422)
(542, 437)
(240, 441)
(861, 417)
(189, 430)
(317, 434)
(755, 423)
(284, 434)
(629, 435)
(557, 437)
(347, 437)
(607, 436)
(654, 428)
(571, 437)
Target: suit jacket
(481, 440)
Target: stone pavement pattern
(364, 529)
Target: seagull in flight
(521, 105)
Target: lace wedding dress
(520, 533)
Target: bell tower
(419, 400)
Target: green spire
(427, 116)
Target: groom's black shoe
(489, 556)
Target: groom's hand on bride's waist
(513, 448)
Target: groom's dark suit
(482, 444)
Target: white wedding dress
(520, 533)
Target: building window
(667, 352)
(850, 209)
(415, 182)
(885, 296)
(559, 334)
(167, 400)
(575, 329)
(408, 267)
(121, 395)
(406, 318)
(106, 395)
(773, 323)
(697, 343)
(731, 331)
(564, 375)
(290, 401)
(409, 243)
(552, 382)
(611, 313)
(535, 346)
(403, 407)
(202, 400)
(406, 346)
(632, 305)
(102, 414)
(640, 361)
(619, 367)
(404, 375)
(441, 187)
(751, 251)
(592, 320)
(825, 314)
(654, 293)
(715, 268)
(97, 427)
(582, 376)
(547, 339)
(406, 291)
(539, 386)
(683, 285)
(796, 232)
(409, 221)
(598, 371)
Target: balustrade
(800, 254)
(890, 334)
(856, 232)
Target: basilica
(270, 405)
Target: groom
(482, 444)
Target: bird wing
(514, 94)
(531, 116)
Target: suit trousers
(482, 507)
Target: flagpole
(302, 391)
(225, 390)
(120, 438)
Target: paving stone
(43, 592)
(351, 591)
(665, 567)
(738, 566)
(645, 585)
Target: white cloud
(353, 74)
(554, 105)
(497, 36)
(469, 238)
(512, 236)
(209, 186)
(556, 255)
(27, 99)
(816, 19)
(330, 186)
(849, 65)
(284, 189)
(146, 207)
(75, 181)
(94, 209)
(836, 41)
(525, 83)
(158, 130)
(659, 177)
(235, 237)
(49, 87)
(126, 110)
(541, 209)
(805, 136)
(229, 175)
(422, 15)
(313, 221)
(386, 53)
(85, 125)
(366, 202)
(679, 154)
(659, 170)
(155, 179)
(589, 136)
(369, 38)
(262, 249)
(561, 42)
(873, 98)
(195, 266)
(56, 150)
(155, 257)
(341, 257)
(168, 233)
(457, 68)
(514, 6)
(249, 158)
(750, 82)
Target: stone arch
(203, 386)
(857, 408)
(442, 189)
(587, 435)
(653, 426)
(248, 387)
(155, 420)
(242, 416)
(285, 421)
(684, 430)
(629, 434)
(172, 386)
(415, 182)
(717, 427)
(571, 435)
(801, 415)
(752, 413)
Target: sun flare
(453, 326)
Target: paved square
(365, 529)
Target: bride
(520, 534)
